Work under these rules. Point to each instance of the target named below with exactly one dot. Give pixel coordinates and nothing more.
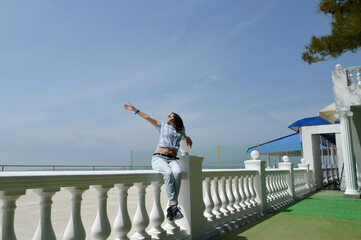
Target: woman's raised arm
(130, 107)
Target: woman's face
(170, 118)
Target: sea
(223, 156)
(215, 157)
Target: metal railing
(93, 167)
(70, 167)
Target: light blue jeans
(171, 172)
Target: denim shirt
(168, 136)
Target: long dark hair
(178, 122)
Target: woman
(165, 156)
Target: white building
(346, 110)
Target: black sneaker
(177, 213)
(170, 215)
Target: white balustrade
(216, 199)
(230, 197)
(237, 197)
(242, 195)
(278, 187)
(101, 228)
(247, 194)
(141, 219)
(45, 229)
(8, 213)
(156, 216)
(75, 229)
(252, 192)
(224, 198)
(122, 224)
(208, 202)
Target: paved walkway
(324, 215)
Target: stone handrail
(213, 201)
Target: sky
(231, 69)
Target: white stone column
(141, 219)
(75, 229)
(9, 199)
(268, 160)
(101, 228)
(216, 199)
(324, 164)
(259, 179)
(333, 156)
(304, 165)
(329, 163)
(349, 167)
(45, 229)
(122, 223)
(290, 177)
(156, 215)
(208, 202)
(190, 196)
(230, 196)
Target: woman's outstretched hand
(129, 106)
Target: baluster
(351, 77)
(242, 203)
(8, 213)
(45, 229)
(141, 219)
(75, 228)
(216, 199)
(122, 223)
(280, 187)
(251, 191)
(208, 200)
(156, 216)
(268, 189)
(272, 190)
(276, 186)
(101, 227)
(284, 185)
(359, 77)
(248, 196)
(302, 182)
(230, 195)
(296, 182)
(223, 196)
(237, 198)
(305, 175)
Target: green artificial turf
(324, 215)
(330, 204)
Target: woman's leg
(174, 166)
(161, 165)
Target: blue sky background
(232, 69)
